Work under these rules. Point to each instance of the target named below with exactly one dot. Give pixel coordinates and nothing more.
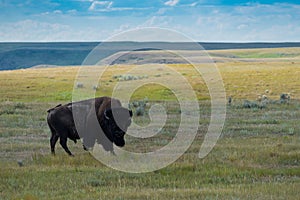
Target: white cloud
(122, 28)
(73, 11)
(242, 26)
(57, 12)
(45, 13)
(29, 30)
(107, 6)
(161, 11)
(100, 5)
(171, 2)
(158, 21)
(250, 23)
(35, 31)
(255, 22)
(193, 4)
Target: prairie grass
(242, 79)
(257, 156)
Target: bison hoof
(85, 148)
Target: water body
(25, 55)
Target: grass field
(257, 156)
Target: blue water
(25, 55)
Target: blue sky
(201, 20)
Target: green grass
(257, 156)
(288, 53)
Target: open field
(243, 79)
(257, 156)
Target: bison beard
(110, 115)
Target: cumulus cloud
(171, 2)
(253, 22)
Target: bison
(101, 120)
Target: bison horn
(105, 114)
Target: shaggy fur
(101, 120)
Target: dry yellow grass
(242, 80)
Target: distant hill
(26, 55)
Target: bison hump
(53, 108)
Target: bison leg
(63, 143)
(53, 141)
(74, 140)
(86, 149)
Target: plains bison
(101, 120)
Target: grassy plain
(257, 156)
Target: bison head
(117, 122)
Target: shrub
(254, 104)
(264, 97)
(95, 87)
(12, 108)
(7, 111)
(79, 85)
(139, 107)
(140, 111)
(20, 105)
(129, 77)
(285, 98)
(229, 100)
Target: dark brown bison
(101, 120)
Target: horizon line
(240, 42)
